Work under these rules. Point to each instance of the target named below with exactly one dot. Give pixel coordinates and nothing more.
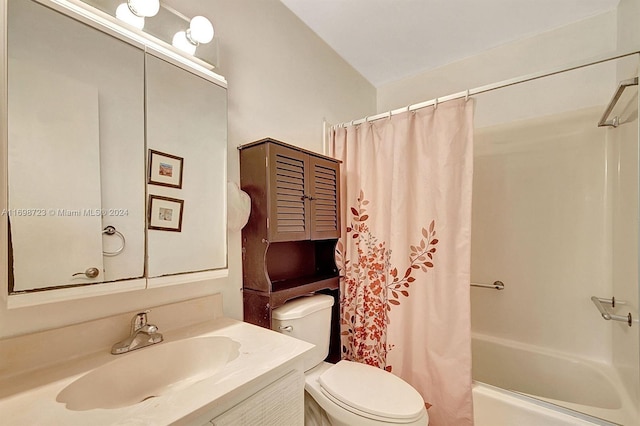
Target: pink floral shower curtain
(405, 251)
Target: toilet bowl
(347, 393)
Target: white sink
(149, 372)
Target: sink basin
(150, 372)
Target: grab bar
(599, 301)
(497, 285)
(615, 121)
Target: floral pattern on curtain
(365, 309)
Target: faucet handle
(139, 320)
(151, 328)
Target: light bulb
(200, 30)
(181, 42)
(144, 8)
(124, 14)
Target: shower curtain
(405, 251)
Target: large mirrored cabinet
(116, 158)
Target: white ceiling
(386, 40)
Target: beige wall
(629, 25)
(283, 80)
(573, 43)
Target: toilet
(347, 393)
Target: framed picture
(165, 213)
(165, 169)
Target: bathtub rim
(628, 409)
(567, 356)
(532, 400)
(600, 368)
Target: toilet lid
(372, 391)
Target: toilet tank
(309, 319)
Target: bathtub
(496, 407)
(556, 379)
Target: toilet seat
(371, 393)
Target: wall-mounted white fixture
(133, 12)
(123, 13)
(180, 41)
(144, 8)
(200, 31)
(160, 27)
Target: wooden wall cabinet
(288, 245)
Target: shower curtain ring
(435, 104)
(466, 97)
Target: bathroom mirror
(76, 151)
(186, 118)
(85, 110)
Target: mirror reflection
(186, 137)
(88, 203)
(76, 151)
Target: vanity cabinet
(289, 242)
(280, 403)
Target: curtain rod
(487, 88)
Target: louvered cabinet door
(324, 184)
(289, 214)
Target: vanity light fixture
(123, 13)
(144, 8)
(200, 31)
(81, 10)
(180, 41)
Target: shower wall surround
(540, 225)
(623, 157)
(555, 217)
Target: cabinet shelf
(288, 289)
(289, 242)
(282, 285)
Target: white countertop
(30, 399)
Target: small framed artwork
(165, 169)
(165, 213)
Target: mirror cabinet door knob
(89, 273)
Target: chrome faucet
(142, 335)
